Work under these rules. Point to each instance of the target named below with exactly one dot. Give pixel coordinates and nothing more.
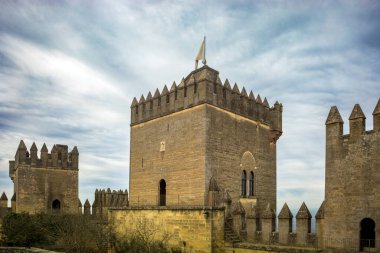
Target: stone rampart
(191, 229)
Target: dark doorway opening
(56, 205)
(162, 192)
(367, 234)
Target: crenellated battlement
(105, 199)
(357, 124)
(59, 157)
(201, 86)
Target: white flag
(201, 53)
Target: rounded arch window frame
(248, 164)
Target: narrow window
(167, 98)
(175, 94)
(243, 183)
(195, 87)
(251, 184)
(137, 109)
(151, 104)
(162, 192)
(224, 93)
(185, 91)
(144, 107)
(159, 101)
(215, 88)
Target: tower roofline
(201, 86)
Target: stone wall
(38, 181)
(195, 229)
(352, 190)
(37, 188)
(171, 148)
(235, 143)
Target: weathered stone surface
(352, 190)
(38, 182)
(205, 135)
(198, 229)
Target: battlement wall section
(104, 199)
(59, 158)
(357, 125)
(204, 86)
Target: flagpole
(204, 52)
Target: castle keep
(202, 135)
(46, 183)
(201, 150)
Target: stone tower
(46, 183)
(351, 210)
(203, 136)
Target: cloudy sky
(69, 71)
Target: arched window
(56, 205)
(251, 184)
(367, 234)
(243, 183)
(162, 192)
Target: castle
(205, 144)
(203, 169)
